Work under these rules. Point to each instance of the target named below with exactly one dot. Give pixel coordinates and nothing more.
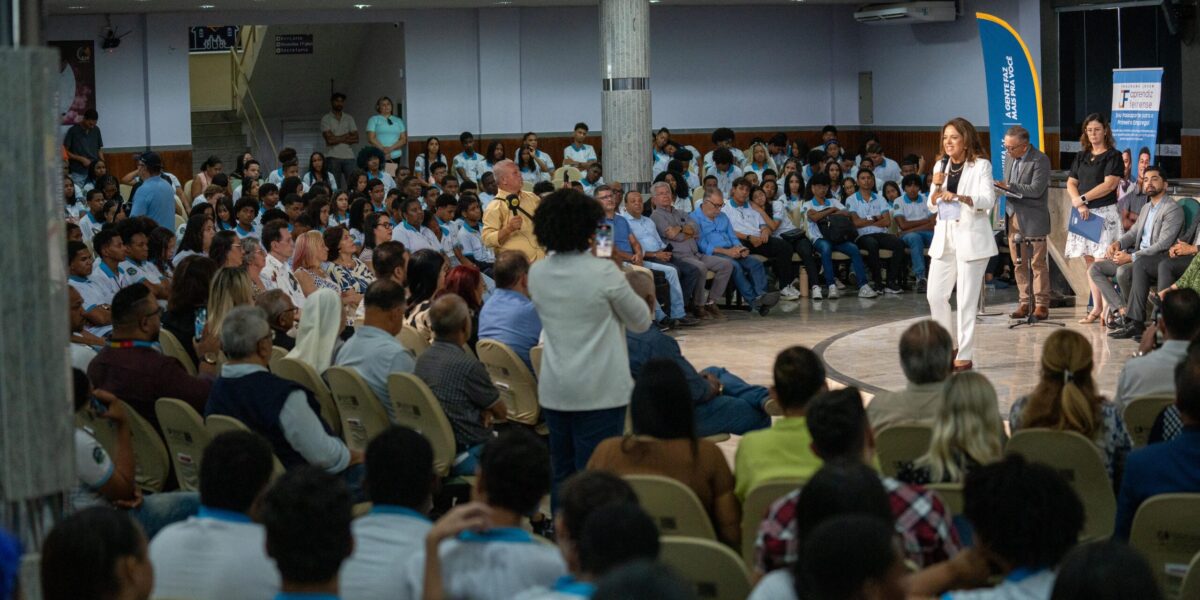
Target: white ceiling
(67, 7)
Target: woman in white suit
(961, 246)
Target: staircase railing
(240, 86)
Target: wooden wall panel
(1190, 148)
(176, 162)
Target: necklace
(954, 171)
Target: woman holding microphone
(962, 196)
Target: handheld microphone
(514, 204)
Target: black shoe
(666, 325)
(1132, 331)
(763, 310)
(687, 321)
(768, 300)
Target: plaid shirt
(922, 521)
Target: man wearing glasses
(1026, 179)
(718, 239)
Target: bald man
(508, 220)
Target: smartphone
(604, 241)
(201, 320)
(98, 407)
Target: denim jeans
(162, 509)
(469, 463)
(738, 410)
(749, 277)
(672, 275)
(917, 242)
(354, 476)
(574, 435)
(827, 249)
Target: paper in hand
(949, 211)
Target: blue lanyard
(207, 512)
(498, 534)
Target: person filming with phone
(508, 221)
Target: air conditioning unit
(907, 13)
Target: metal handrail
(238, 75)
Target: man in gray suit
(1160, 269)
(1158, 226)
(1026, 179)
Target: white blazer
(973, 230)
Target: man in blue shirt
(656, 256)
(718, 239)
(155, 198)
(1167, 467)
(509, 316)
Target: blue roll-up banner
(1137, 94)
(1013, 89)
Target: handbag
(838, 229)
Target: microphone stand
(1030, 320)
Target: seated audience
(509, 316)
(307, 516)
(426, 275)
(723, 402)
(1153, 373)
(915, 224)
(967, 432)
(187, 306)
(197, 235)
(1168, 467)
(753, 232)
(373, 351)
(411, 230)
(277, 239)
(1066, 399)
(1105, 570)
(664, 442)
(109, 480)
(927, 358)
(852, 557)
(840, 432)
(318, 337)
(350, 273)
(784, 450)
(133, 367)
(230, 288)
(468, 241)
(390, 261)
(644, 580)
(460, 382)
(282, 411)
(137, 266)
(281, 316)
(656, 255)
(821, 208)
(676, 227)
(1026, 518)
(399, 482)
(478, 549)
(96, 306)
(83, 344)
(95, 553)
(872, 216)
(466, 282)
(839, 488)
(307, 261)
(599, 527)
(718, 238)
(723, 169)
(219, 553)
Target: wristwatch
(1083, 198)
(210, 358)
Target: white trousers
(944, 274)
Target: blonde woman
(966, 432)
(309, 255)
(760, 160)
(231, 287)
(1066, 399)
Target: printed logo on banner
(1013, 92)
(1136, 97)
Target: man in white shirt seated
(219, 554)
(307, 516)
(478, 550)
(97, 309)
(373, 351)
(656, 253)
(751, 229)
(277, 274)
(592, 178)
(1154, 373)
(399, 484)
(724, 137)
(282, 411)
(578, 154)
(724, 170)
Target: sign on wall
(1014, 96)
(76, 79)
(1137, 95)
(214, 38)
(293, 43)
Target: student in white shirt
(468, 163)
(411, 231)
(544, 163)
(107, 278)
(93, 219)
(915, 222)
(785, 212)
(592, 178)
(469, 241)
(530, 171)
(430, 155)
(219, 554)
(819, 206)
(724, 170)
(723, 138)
(872, 216)
(137, 266)
(97, 311)
(399, 484)
(885, 168)
(760, 160)
(750, 226)
(478, 550)
(578, 154)
(307, 515)
(286, 157)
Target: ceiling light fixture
(362, 6)
(76, 7)
(206, 7)
(503, 2)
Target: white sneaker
(834, 294)
(866, 291)
(815, 294)
(789, 293)
(888, 290)
(839, 284)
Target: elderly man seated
(927, 358)
(281, 316)
(282, 411)
(724, 402)
(373, 351)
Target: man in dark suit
(1026, 179)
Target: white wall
(510, 70)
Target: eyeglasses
(714, 204)
(384, 224)
(157, 312)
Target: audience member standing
(1092, 188)
(585, 305)
(154, 198)
(341, 134)
(386, 131)
(83, 145)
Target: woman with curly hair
(586, 306)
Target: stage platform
(858, 341)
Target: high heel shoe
(1091, 317)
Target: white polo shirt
(493, 565)
(471, 241)
(139, 271)
(739, 159)
(415, 239)
(911, 210)
(745, 219)
(867, 208)
(216, 555)
(581, 154)
(814, 232)
(473, 165)
(88, 225)
(384, 541)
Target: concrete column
(36, 429)
(625, 95)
